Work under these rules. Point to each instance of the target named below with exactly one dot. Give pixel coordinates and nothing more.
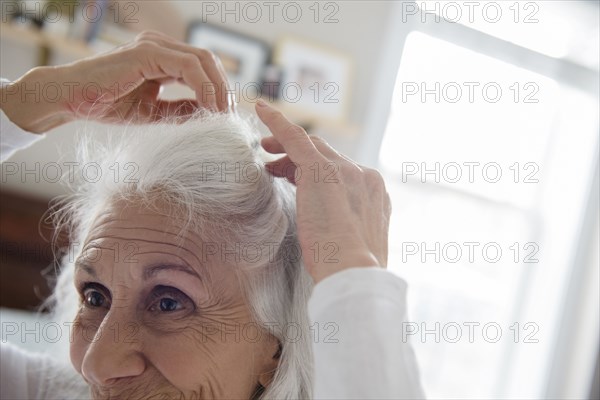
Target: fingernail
(261, 103)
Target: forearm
(35, 101)
(13, 137)
(361, 352)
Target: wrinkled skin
(160, 319)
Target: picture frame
(244, 58)
(315, 79)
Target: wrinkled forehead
(136, 220)
(141, 231)
(132, 219)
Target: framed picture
(315, 79)
(244, 58)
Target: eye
(93, 296)
(167, 304)
(165, 299)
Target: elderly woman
(208, 271)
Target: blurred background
(482, 116)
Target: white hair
(210, 170)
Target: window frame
(552, 380)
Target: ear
(271, 364)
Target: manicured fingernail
(261, 103)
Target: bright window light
(472, 249)
(474, 115)
(543, 26)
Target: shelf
(28, 36)
(77, 49)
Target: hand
(119, 86)
(343, 212)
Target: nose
(115, 353)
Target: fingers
(214, 90)
(157, 62)
(302, 150)
(271, 145)
(282, 168)
(226, 93)
(292, 138)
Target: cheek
(214, 354)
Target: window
(489, 150)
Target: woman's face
(161, 319)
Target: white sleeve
(26, 375)
(13, 373)
(359, 353)
(13, 138)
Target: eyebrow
(150, 271)
(89, 270)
